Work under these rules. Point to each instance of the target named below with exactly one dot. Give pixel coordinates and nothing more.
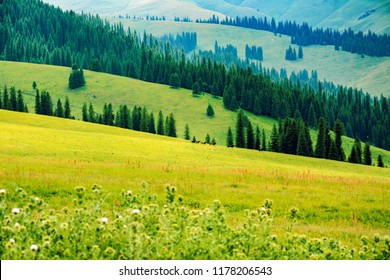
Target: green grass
(49, 157)
(368, 73)
(121, 90)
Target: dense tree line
(138, 119)
(254, 52)
(291, 53)
(45, 106)
(186, 41)
(76, 77)
(35, 32)
(304, 35)
(12, 100)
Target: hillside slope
(50, 156)
(101, 88)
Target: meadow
(368, 73)
(102, 88)
(49, 157)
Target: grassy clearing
(48, 157)
(339, 67)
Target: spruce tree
(172, 126)
(210, 111)
(353, 157)
(263, 141)
(85, 112)
(160, 124)
(38, 108)
(195, 89)
(240, 136)
(208, 139)
(20, 102)
(59, 109)
(380, 161)
(144, 125)
(229, 139)
(338, 130)
(257, 139)
(13, 100)
(187, 132)
(152, 125)
(67, 108)
(320, 150)
(91, 113)
(250, 140)
(311, 119)
(367, 154)
(274, 144)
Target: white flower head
(3, 192)
(129, 192)
(12, 240)
(165, 206)
(263, 209)
(37, 199)
(16, 225)
(136, 211)
(119, 217)
(16, 210)
(34, 247)
(104, 220)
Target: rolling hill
(334, 200)
(103, 88)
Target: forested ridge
(32, 31)
(304, 35)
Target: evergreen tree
(136, 119)
(358, 146)
(338, 130)
(312, 120)
(263, 141)
(367, 154)
(172, 126)
(213, 142)
(67, 108)
(229, 140)
(13, 100)
(240, 136)
(250, 141)
(380, 161)
(37, 103)
(320, 150)
(333, 152)
(353, 157)
(91, 113)
(85, 112)
(174, 80)
(34, 85)
(144, 126)
(20, 103)
(152, 125)
(6, 102)
(274, 145)
(208, 139)
(59, 109)
(195, 89)
(166, 126)
(257, 139)
(300, 53)
(187, 132)
(210, 111)
(160, 124)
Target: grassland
(102, 88)
(48, 157)
(368, 73)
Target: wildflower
(12, 240)
(34, 248)
(16, 225)
(263, 209)
(119, 217)
(16, 211)
(64, 225)
(136, 211)
(3, 192)
(129, 192)
(104, 220)
(37, 199)
(165, 206)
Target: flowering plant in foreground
(140, 226)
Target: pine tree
(210, 111)
(311, 119)
(367, 154)
(67, 108)
(250, 141)
(187, 132)
(257, 139)
(152, 125)
(208, 139)
(60, 109)
(85, 112)
(172, 126)
(195, 89)
(160, 124)
(91, 113)
(229, 140)
(338, 130)
(34, 85)
(136, 119)
(263, 141)
(274, 145)
(20, 102)
(353, 157)
(38, 108)
(174, 80)
(300, 53)
(13, 99)
(320, 150)
(380, 161)
(144, 125)
(240, 136)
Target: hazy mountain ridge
(360, 15)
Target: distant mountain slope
(360, 15)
